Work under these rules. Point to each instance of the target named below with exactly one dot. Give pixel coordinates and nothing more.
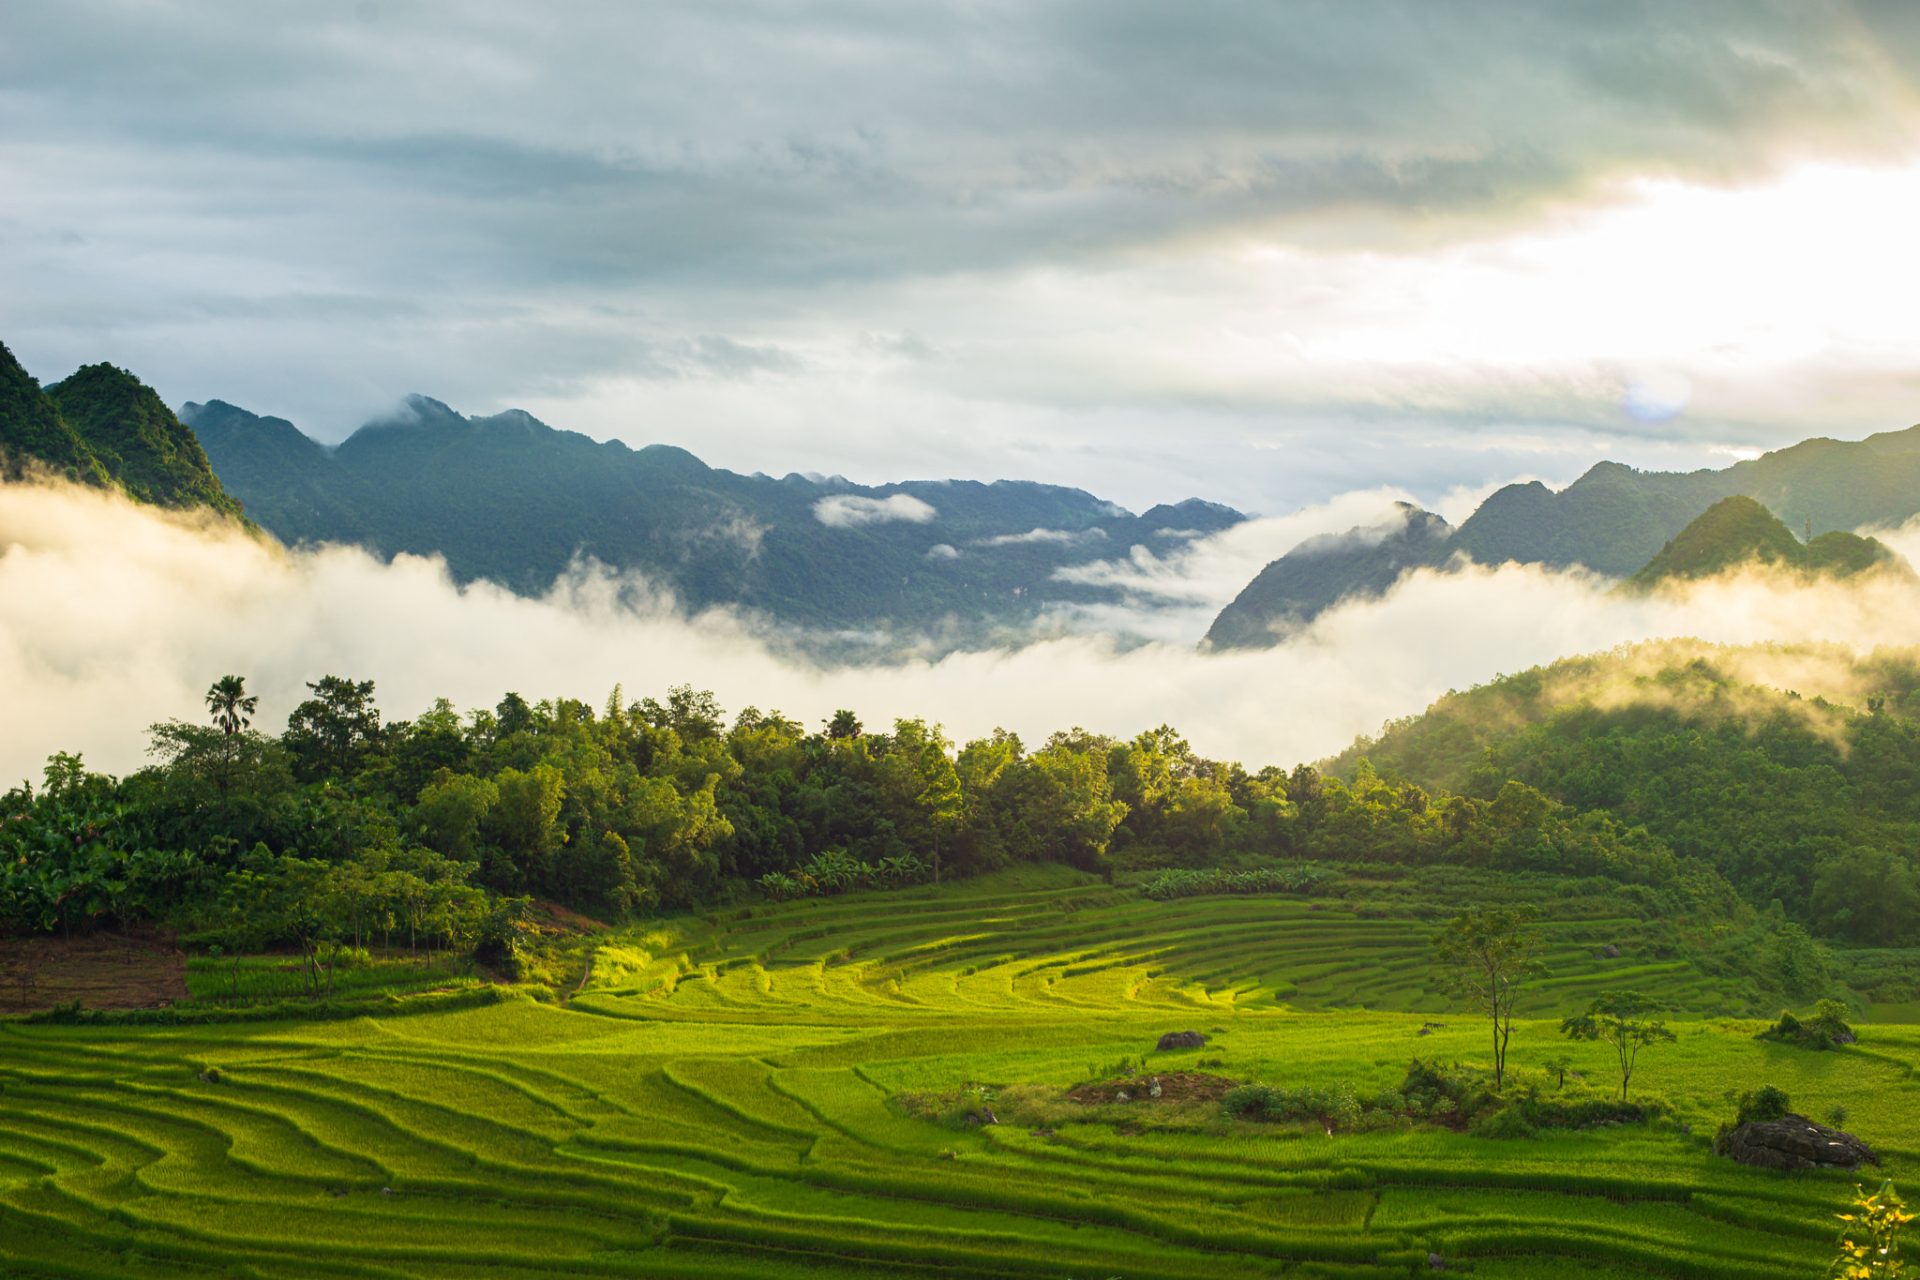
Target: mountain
(32, 431)
(511, 499)
(1614, 519)
(1738, 530)
(102, 426)
(1788, 769)
(1322, 571)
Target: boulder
(1794, 1142)
(1181, 1040)
(1609, 952)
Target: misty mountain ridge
(1739, 531)
(1322, 571)
(511, 499)
(105, 428)
(1614, 520)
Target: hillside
(1788, 770)
(1739, 531)
(514, 500)
(1615, 519)
(1321, 572)
(957, 1082)
(102, 426)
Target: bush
(1507, 1122)
(1336, 1106)
(1826, 1028)
(1192, 882)
(1764, 1103)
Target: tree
(1624, 1019)
(231, 705)
(1870, 1242)
(843, 725)
(1489, 953)
(332, 733)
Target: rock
(1794, 1142)
(1436, 1263)
(386, 1191)
(1181, 1040)
(1609, 952)
(1123, 1096)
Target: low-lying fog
(114, 616)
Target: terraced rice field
(722, 1100)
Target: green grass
(724, 1099)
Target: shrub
(1187, 882)
(1507, 1122)
(1764, 1103)
(1826, 1028)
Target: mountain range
(1613, 520)
(852, 568)
(511, 499)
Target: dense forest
(1807, 802)
(346, 825)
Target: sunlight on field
(723, 1099)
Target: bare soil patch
(138, 969)
(1175, 1086)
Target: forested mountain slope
(514, 500)
(1739, 531)
(1793, 771)
(102, 426)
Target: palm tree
(231, 705)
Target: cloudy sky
(1264, 253)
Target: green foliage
(1739, 531)
(1764, 1103)
(134, 439)
(1872, 1244)
(1187, 882)
(1787, 798)
(1824, 1029)
(1486, 955)
(1626, 1020)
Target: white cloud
(1061, 537)
(112, 617)
(943, 551)
(849, 511)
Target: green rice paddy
(723, 1098)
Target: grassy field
(734, 1096)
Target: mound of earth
(1175, 1086)
(1794, 1142)
(1181, 1040)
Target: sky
(1265, 254)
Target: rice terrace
(897, 1083)
(983, 640)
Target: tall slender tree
(230, 704)
(1489, 954)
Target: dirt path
(102, 970)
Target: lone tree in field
(1488, 953)
(1626, 1020)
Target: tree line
(353, 825)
